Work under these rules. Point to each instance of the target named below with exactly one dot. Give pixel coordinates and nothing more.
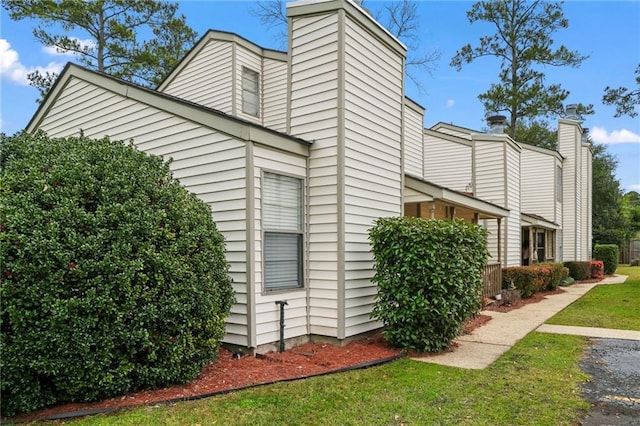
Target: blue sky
(607, 31)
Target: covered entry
(538, 239)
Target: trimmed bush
(528, 279)
(553, 274)
(579, 271)
(597, 269)
(429, 277)
(609, 254)
(114, 276)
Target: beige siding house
(299, 152)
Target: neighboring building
(298, 153)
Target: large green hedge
(429, 277)
(608, 253)
(114, 277)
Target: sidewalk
(484, 345)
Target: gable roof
(205, 116)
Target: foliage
(609, 254)
(609, 225)
(536, 132)
(630, 211)
(597, 269)
(532, 279)
(579, 271)
(429, 278)
(113, 30)
(400, 18)
(624, 99)
(114, 277)
(523, 41)
(543, 367)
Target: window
(559, 183)
(250, 92)
(282, 221)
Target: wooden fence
(492, 278)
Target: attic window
(250, 92)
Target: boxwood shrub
(608, 253)
(429, 277)
(528, 279)
(114, 277)
(579, 271)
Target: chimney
(497, 124)
(571, 112)
(585, 136)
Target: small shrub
(429, 278)
(115, 278)
(527, 279)
(597, 269)
(554, 274)
(609, 254)
(579, 271)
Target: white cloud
(12, 69)
(54, 51)
(635, 187)
(450, 103)
(600, 135)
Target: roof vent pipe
(497, 124)
(571, 112)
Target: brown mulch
(230, 373)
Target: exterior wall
(452, 130)
(496, 179)
(373, 175)
(538, 178)
(274, 94)
(569, 146)
(252, 60)
(208, 78)
(587, 200)
(413, 143)
(208, 163)
(446, 162)
(267, 313)
(314, 116)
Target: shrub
(579, 271)
(114, 276)
(597, 269)
(429, 277)
(554, 274)
(608, 253)
(527, 279)
(635, 262)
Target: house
(298, 153)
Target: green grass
(608, 306)
(536, 382)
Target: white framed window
(250, 92)
(282, 223)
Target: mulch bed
(230, 372)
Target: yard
(536, 382)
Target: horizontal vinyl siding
(207, 163)
(538, 173)
(373, 173)
(513, 249)
(267, 312)
(313, 116)
(207, 79)
(567, 140)
(274, 89)
(447, 163)
(489, 172)
(413, 129)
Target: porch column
(432, 210)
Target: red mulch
(229, 373)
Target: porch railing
(492, 278)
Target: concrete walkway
(485, 344)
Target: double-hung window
(282, 221)
(250, 92)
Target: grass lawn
(536, 382)
(609, 306)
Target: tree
(536, 132)
(114, 276)
(625, 100)
(609, 225)
(522, 41)
(111, 40)
(400, 18)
